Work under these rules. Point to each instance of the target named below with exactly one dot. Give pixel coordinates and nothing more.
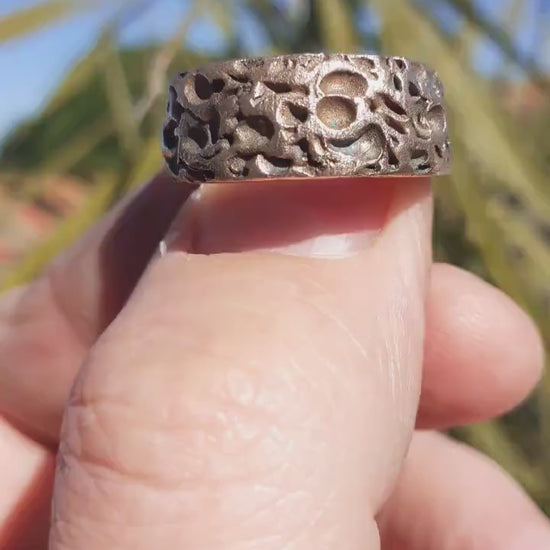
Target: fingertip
(451, 496)
(483, 353)
(500, 320)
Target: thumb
(263, 398)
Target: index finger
(46, 329)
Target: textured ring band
(306, 115)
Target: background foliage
(101, 130)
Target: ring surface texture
(306, 115)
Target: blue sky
(33, 66)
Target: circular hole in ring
(203, 88)
(336, 112)
(344, 83)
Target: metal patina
(306, 115)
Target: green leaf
(63, 160)
(337, 28)
(20, 23)
(485, 227)
(79, 77)
(222, 14)
(157, 78)
(466, 41)
(120, 101)
(149, 164)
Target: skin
(257, 386)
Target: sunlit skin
(261, 386)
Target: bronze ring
(306, 115)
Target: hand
(263, 399)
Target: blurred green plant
(34, 18)
(492, 214)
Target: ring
(306, 115)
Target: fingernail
(323, 219)
(329, 246)
(180, 235)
